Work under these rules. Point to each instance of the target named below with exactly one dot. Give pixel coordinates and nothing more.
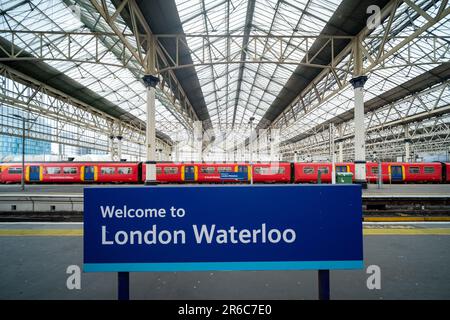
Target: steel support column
(119, 147)
(407, 144)
(407, 151)
(332, 154)
(358, 81)
(150, 134)
(198, 141)
(251, 149)
(340, 152)
(360, 147)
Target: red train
(283, 172)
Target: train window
(428, 169)
(124, 170)
(171, 170)
(108, 170)
(15, 170)
(258, 170)
(158, 170)
(70, 170)
(53, 170)
(374, 170)
(323, 170)
(308, 170)
(414, 170)
(269, 170)
(207, 170)
(341, 168)
(224, 169)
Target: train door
(35, 173)
(189, 173)
(244, 169)
(397, 173)
(89, 173)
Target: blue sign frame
(194, 228)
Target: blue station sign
(240, 176)
(190, 228)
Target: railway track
(69, 207)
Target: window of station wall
(308, 170)
(70, 170)
(171, 170)
(207, 169)
(107, 170)
(53, 170)
(428, 169)
(15, 170)
(224, 169)
(124, 170)
(414, 170)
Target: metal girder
(260, 48)
(78, 47)
(68, 120)
(62, 46)
(427, 112)
(433, 139)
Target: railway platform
(413, 259)
(402, 202)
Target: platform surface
(413, 258)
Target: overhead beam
(244, 48)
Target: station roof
(227, 95)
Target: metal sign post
(324, 284)
(123, 287)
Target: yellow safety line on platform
(405, 232)
(404, 219)
(79, 232)
(41, 232)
